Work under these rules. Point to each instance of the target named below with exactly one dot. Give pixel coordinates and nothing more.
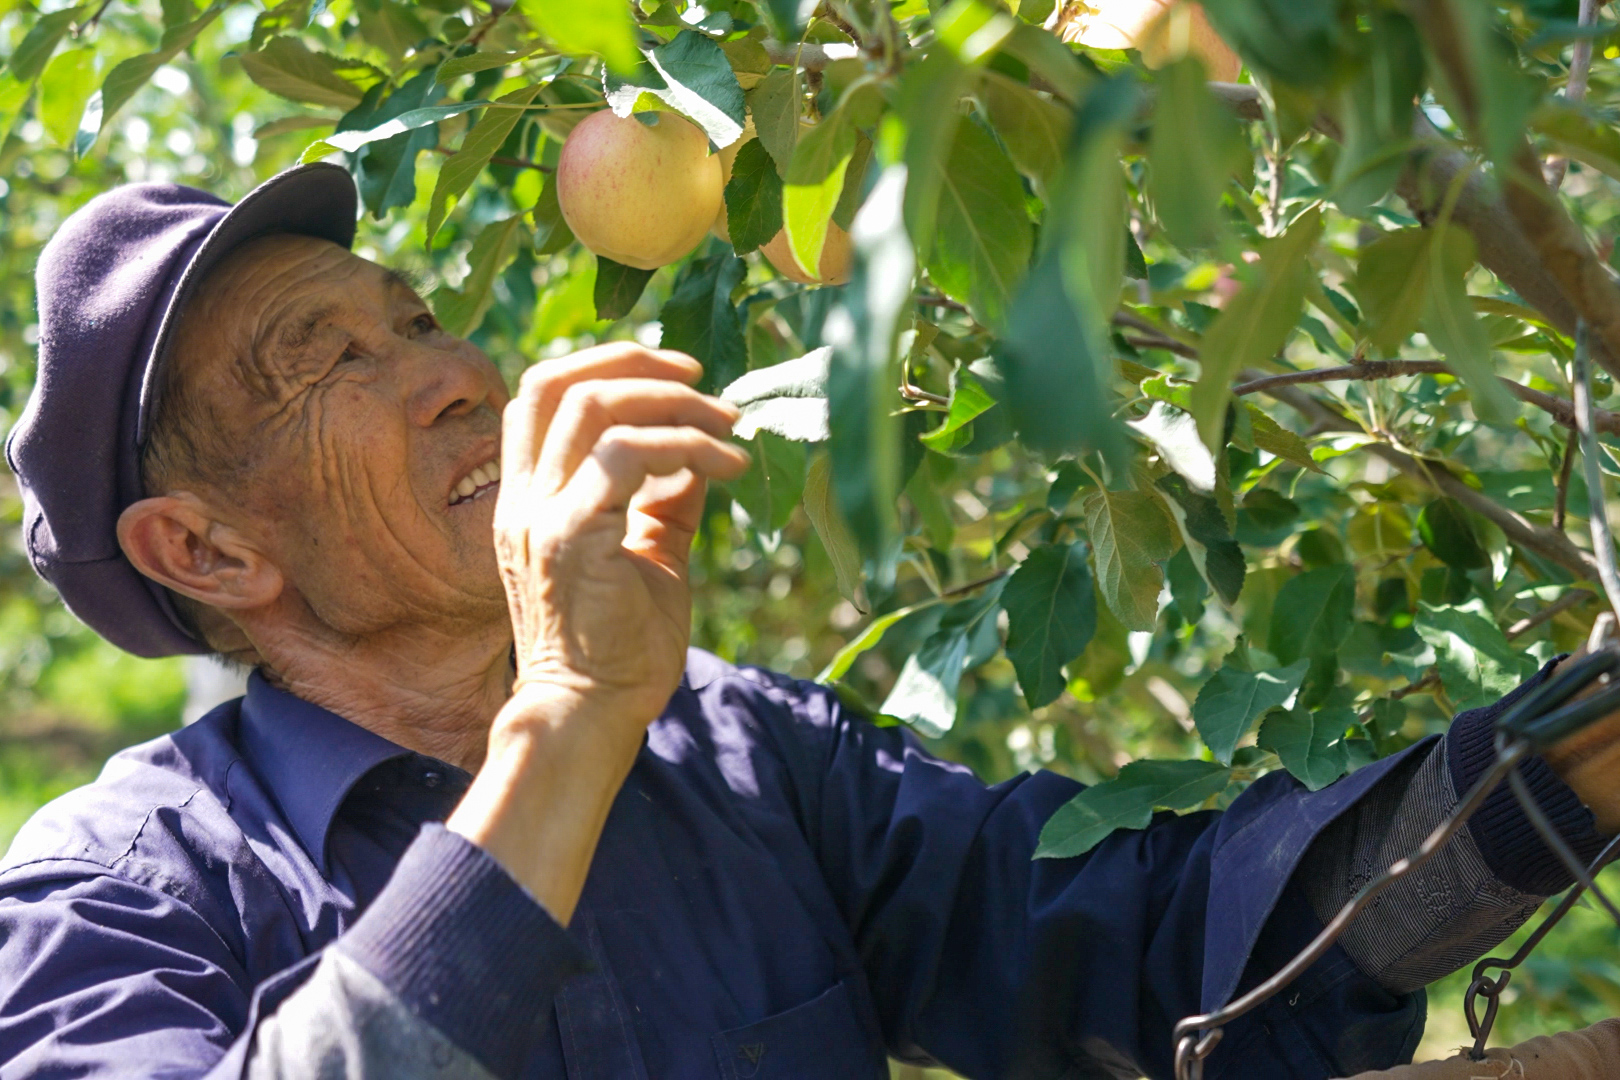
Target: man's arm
(997, 964)
(604, 459)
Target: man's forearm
(538, 805)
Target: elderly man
(482, 814)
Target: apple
(641, 194)
(1142, 25)
(836, 257)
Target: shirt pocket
(821, 1038)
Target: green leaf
(1127, 802)
(692, 76)
(551, 232)
(1192, 152)
(130, 75)
(833, 531)
(459, 171)
(1309, 744)
(983, 238)
(350, 140)
(773, 484)
(1448, 531)
(753, 198)
(1228, 703)
(472, 63)
(863, 326)
(176, 12)
(32, 53)
(1312, 613)
(13, 96)
(1255, 324)
(700, 320)
(1050, 59)
(1174, 435)
(1187, 588)
(1485, 89)
(461, 311)
(1034, 130)
(1210, 546)
(1450, 323)
(1278, 441)
(1477, 665)
(387, 168)
(391, 26)
(603, 27)
(1130, 535)
(287, 16)
(815, 180)
(849, 200)
(66, 85)
(286, 67)
(286, 124)
(1303, 43)
(1051, 615)
(929, 91)
(1056, 353)
(924, 693)
(845, 658)
(787, 399)
(1375, 110)
(969, 400)
(774, 103)
(1587, 139)
(618, 287)
(1391, 283)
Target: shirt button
(432, 778)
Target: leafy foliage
(1061, 457)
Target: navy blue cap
(110, 286)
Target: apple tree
(1168, 394)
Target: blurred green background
(68, 700)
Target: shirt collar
(309, 758)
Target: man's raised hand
(604, 457)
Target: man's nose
(448, 383)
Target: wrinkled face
(370, 437)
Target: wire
(1598, 514)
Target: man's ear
(175, 541)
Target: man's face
(361, 425)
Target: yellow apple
(1142, 25)
(640, 194)
(836, 257)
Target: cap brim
(316, 200)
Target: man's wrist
(556, 761)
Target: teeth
(487, 473)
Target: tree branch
(808, 56)
(1580, 66)
(1562, 411)
(1550, 544)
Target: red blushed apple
(641, 194)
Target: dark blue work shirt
(782, 890)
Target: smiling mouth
(480, 482)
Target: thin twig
(501, 159)
(1171, 345)
(971, 586)
(92, 22)
(1580, 66)
(808, 56)
(1572, 599)
(1561, 501)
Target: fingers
(589, 409)
(624, 457)
(529, 414)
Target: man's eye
(424, 324)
